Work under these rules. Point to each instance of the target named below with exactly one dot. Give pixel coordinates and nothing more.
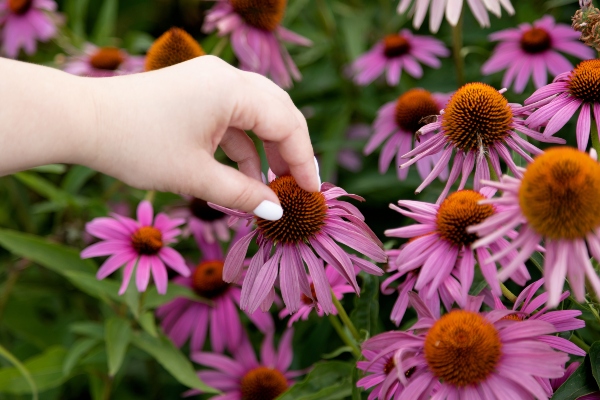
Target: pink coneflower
(203, 221)
(312, 223)
(478, 124)
(256, 36)
(142, 243)
(556, 200)
(399, 121)
(24, 22)
(184, 318)
(560, 100)
(339, 286)
(533, 50)
(396, 52)
(468, 355)
(244, 377)
(441, 246)
(103, 62)
(453, 8)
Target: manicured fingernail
(318, 175)
(268, 210)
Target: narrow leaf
(327, 381)
(77, 350)
(21, 368)
(117, 335)
(45, 370)
(594, 355)
(106, 22)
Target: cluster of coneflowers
(461, 346)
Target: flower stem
(345, 318)
(579, 342)
(507, 293)
(457, 44)
(335, 322)
(150, 195)
(219, 47)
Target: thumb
(228, 187)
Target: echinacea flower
(24, 22)
(556, 201)
(103, 62)
(453, 10)
(203, 221)
(441, 246)
(244, 377)
(141, 244)
(560, 100)
(256, 36)
(534, 50)
(398, 121)
(184, 318)
(312, 222)
(172, 47)
(395, 53)
(339, 286)
(469, 355)
(478, 124)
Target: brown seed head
(536, 40)
(19, 7)
(261, 14)
(172, 47)
(412, 106)
(395, 45)
(147, 240)
(459, 211)
(263, 383)
(584, 82)
(107, 58)
(207, 279)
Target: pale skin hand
(157, 130)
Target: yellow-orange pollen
(261, 14)
(303, 213)
(536, 40)
(559, 194)
(19, 7)
(201, 210)
(462, 348)
(395, 46)
(172, 47)
(584, 82)
(476, 117)
(107, 58)
(459, 211)
(263, 383)
(207, 279)
(147, 240)
(412, 107)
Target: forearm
(46, 116)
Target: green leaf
(154, 299)
(106, 22)
(148, 323)
(50, 169)
(594, 355)
(76, 15)
(45, 369)
(356, 391)
(365, 314)
(21, 368)
(167, 355)
(88, 283)
(327, 381)
(337, 352)
(42, 186)
(117, 335)
(77, 176)
(580, 383)
(89, 329)
(77, 350)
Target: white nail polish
(318, 172)
(268, 210)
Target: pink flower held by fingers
(533, 50)
(24, 22)
(245, 377)
(556, 201)
(469, 355)
(184, 318)
(256, 36)
(477, 124)
(103, 62)
(396, 52)
(399, 121)
(312, 223)
(143, 243)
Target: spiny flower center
(303, 213)
(560, 192)
(476, 117)
(308, 300)
(536, 40)
(107, 58)
(147, 240)
(395, 46)
(584, 82)
(172, 47)
(412, 107)
(261, 14)
(19, 7)
(201, 210)
(207, 279)
(462, 348)
(459, 211)
(263, 383)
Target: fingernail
(268, 210)
(318, 176)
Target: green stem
(150, 194)
(345, 318)
(335, 322)
(595, 138)
(457, 44)
(579, 342)
(507, 293)
(11, 280)
(219, 47)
